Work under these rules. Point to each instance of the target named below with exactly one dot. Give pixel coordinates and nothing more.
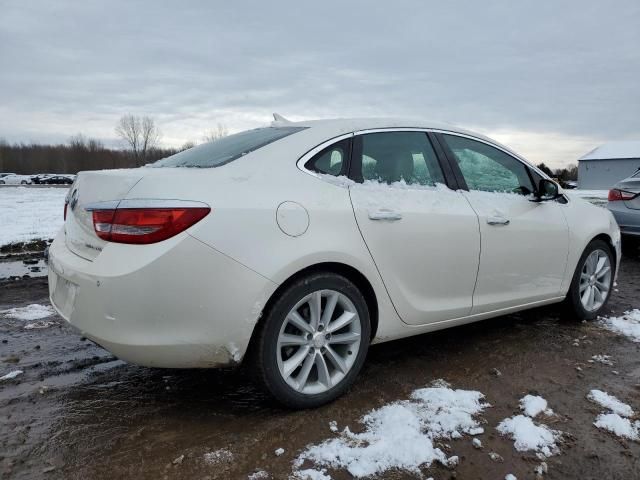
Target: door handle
(389, 215)
(498, 221)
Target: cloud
(555, 78)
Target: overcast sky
(551, 79)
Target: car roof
(331, 128)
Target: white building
(607, 164)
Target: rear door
(524, 244)
(423, 236)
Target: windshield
(226, 149)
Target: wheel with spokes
(314, 341)
(592, 281)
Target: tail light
(145, 221)
(616, 195)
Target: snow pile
(628, 324)
(400, 435)
(533, 405)
(39, 325)
(610, 403)
(29, 313)
(604, 359)
(311, 474)
(528, 436)
(218, 456)
(259, 475)
(616, 422)
(11, 375)
(620, 426)
(340, 181)
(402, 196)
(279, 452)
(28, 214)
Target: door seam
(355, 218)
(475, 285)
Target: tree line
(140, 135)
(564, 174)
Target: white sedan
(298, 245)
(14, 179)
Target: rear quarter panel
(244, 196)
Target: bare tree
(141, 135)
(216, 133)
(81, 142)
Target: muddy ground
(79, 413)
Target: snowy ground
(597, 197)
(30, 213)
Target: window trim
(450, 169)
(346, 162)
(317, 149)
(355, 172)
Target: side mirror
(547, 190)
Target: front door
(524, 244)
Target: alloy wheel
(595, 280)
(318, 342)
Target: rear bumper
(628, 219)
(175, 304)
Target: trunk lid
(91, 187)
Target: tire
(324, 380)
(574, 301)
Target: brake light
(616, 195)
(142, 225)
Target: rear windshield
(226, 149)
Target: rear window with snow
(226, 149)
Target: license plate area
(64, 296)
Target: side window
(332, 160)
(390, 157)
(488, 169)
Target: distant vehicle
(13, 179)
(624, 203)
(570, 184)
(53, 179)
(56, 180)
(301, 243)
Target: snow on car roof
(614, 150)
